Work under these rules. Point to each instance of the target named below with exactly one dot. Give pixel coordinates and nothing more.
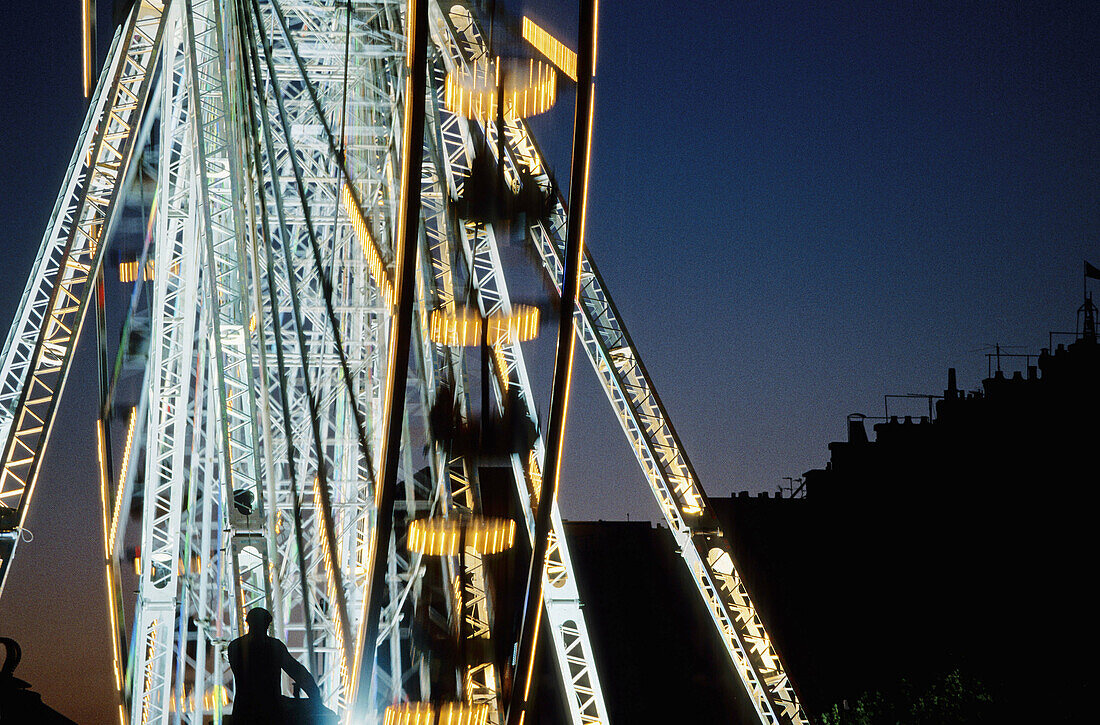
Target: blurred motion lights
(461, 327)
(551, 47)
(529, 87)
(524, 322)
(450, 713)
(370, 250)
(443, 537)
(457, 328)
(128, 271)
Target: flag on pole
(1091, 272)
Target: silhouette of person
(258, 661)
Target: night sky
(798, 208)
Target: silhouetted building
(954, 541)
(957, 542)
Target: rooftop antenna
(998, 353)
(1086, 313)
(1086, 320)
(790, 487)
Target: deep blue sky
(801, 207)
(798, 207)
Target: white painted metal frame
(456, 32)
(171, 364)
(456, 476)
(215, 420)
(340, 345)
(672, 480)
(40, 345)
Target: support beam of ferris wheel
(457, 33)
(39, 347)
(703, 548)
(527, 646)
(406, 238)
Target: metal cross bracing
(39, 346)
(260, 421)
(457, 485)
(649, 430)
(302, 204)
(671, 477)
(673, 481)
(171, 363)
(461, 41)
(333, 307)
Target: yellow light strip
(116, 654)
(455, 328)
(450, 713)
(595, 36)
(404, 210)
(211, 697)
(101, 447)
(441, 537)
(502, 366)
(116, 514)
(462, 327)
(551, 47)
(366, 241)
(410, 27)
(528, 89)
(534, 474)
(534, 650)
(330, 590)
(128, 271)
(86, 45)
(523, 324)
(150, 650)
(391, 291)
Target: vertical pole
(103, 370)
(563, 364)
(88, 54)
(106, 474)
(405, 239)
(463, 662)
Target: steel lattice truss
(254, 449)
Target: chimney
(857, 433)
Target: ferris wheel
(332, 367)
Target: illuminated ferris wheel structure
(322, 281)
